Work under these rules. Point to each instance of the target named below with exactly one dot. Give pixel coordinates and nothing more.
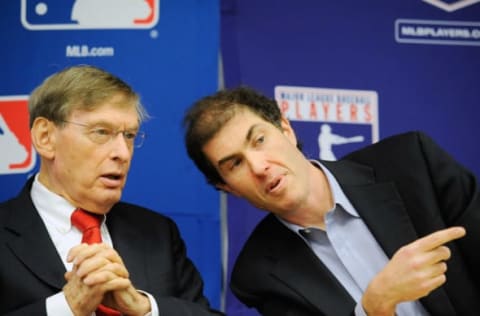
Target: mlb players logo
(17, 154)
(451, 5)
(330, 123)
(89, 14)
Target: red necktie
(89, 224)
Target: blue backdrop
(417, 62)
(169, 55)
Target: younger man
(367, 234)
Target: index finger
(84, 251)
(440, 237)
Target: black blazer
(403, 187)
(149, 244)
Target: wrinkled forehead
(208, 123)
(115, 109)
(236, 131)
(118, 100)
(214, 120)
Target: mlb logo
(17, 153)
(89, 14)
(330, 123)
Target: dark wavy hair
(209, 114)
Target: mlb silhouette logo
(89, 14)
(330, 123)
(17, 153)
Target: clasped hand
(98, 277)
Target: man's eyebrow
(104, 123)
(250, 132)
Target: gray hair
(79, 87)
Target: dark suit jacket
(149, 244)
(403, 187)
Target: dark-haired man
(379, 232)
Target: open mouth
(113, 176)
(112, 179)
(274, 184)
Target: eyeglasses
(104, 134)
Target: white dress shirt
(55, 212)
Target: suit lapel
(305, 274)
(384, 212)
(31, 243)
(378, 204)
(129, 244)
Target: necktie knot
(89, 224)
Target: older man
(85, 125)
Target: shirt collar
(339, 197)
(53, 209)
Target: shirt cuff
(57, 305)
(153, 304)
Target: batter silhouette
(326, 139)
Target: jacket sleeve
(458, 197)
(37, 308)
(189, 299)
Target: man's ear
(43, 137)
(288, 130)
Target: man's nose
(121, 147)
(258, 163)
